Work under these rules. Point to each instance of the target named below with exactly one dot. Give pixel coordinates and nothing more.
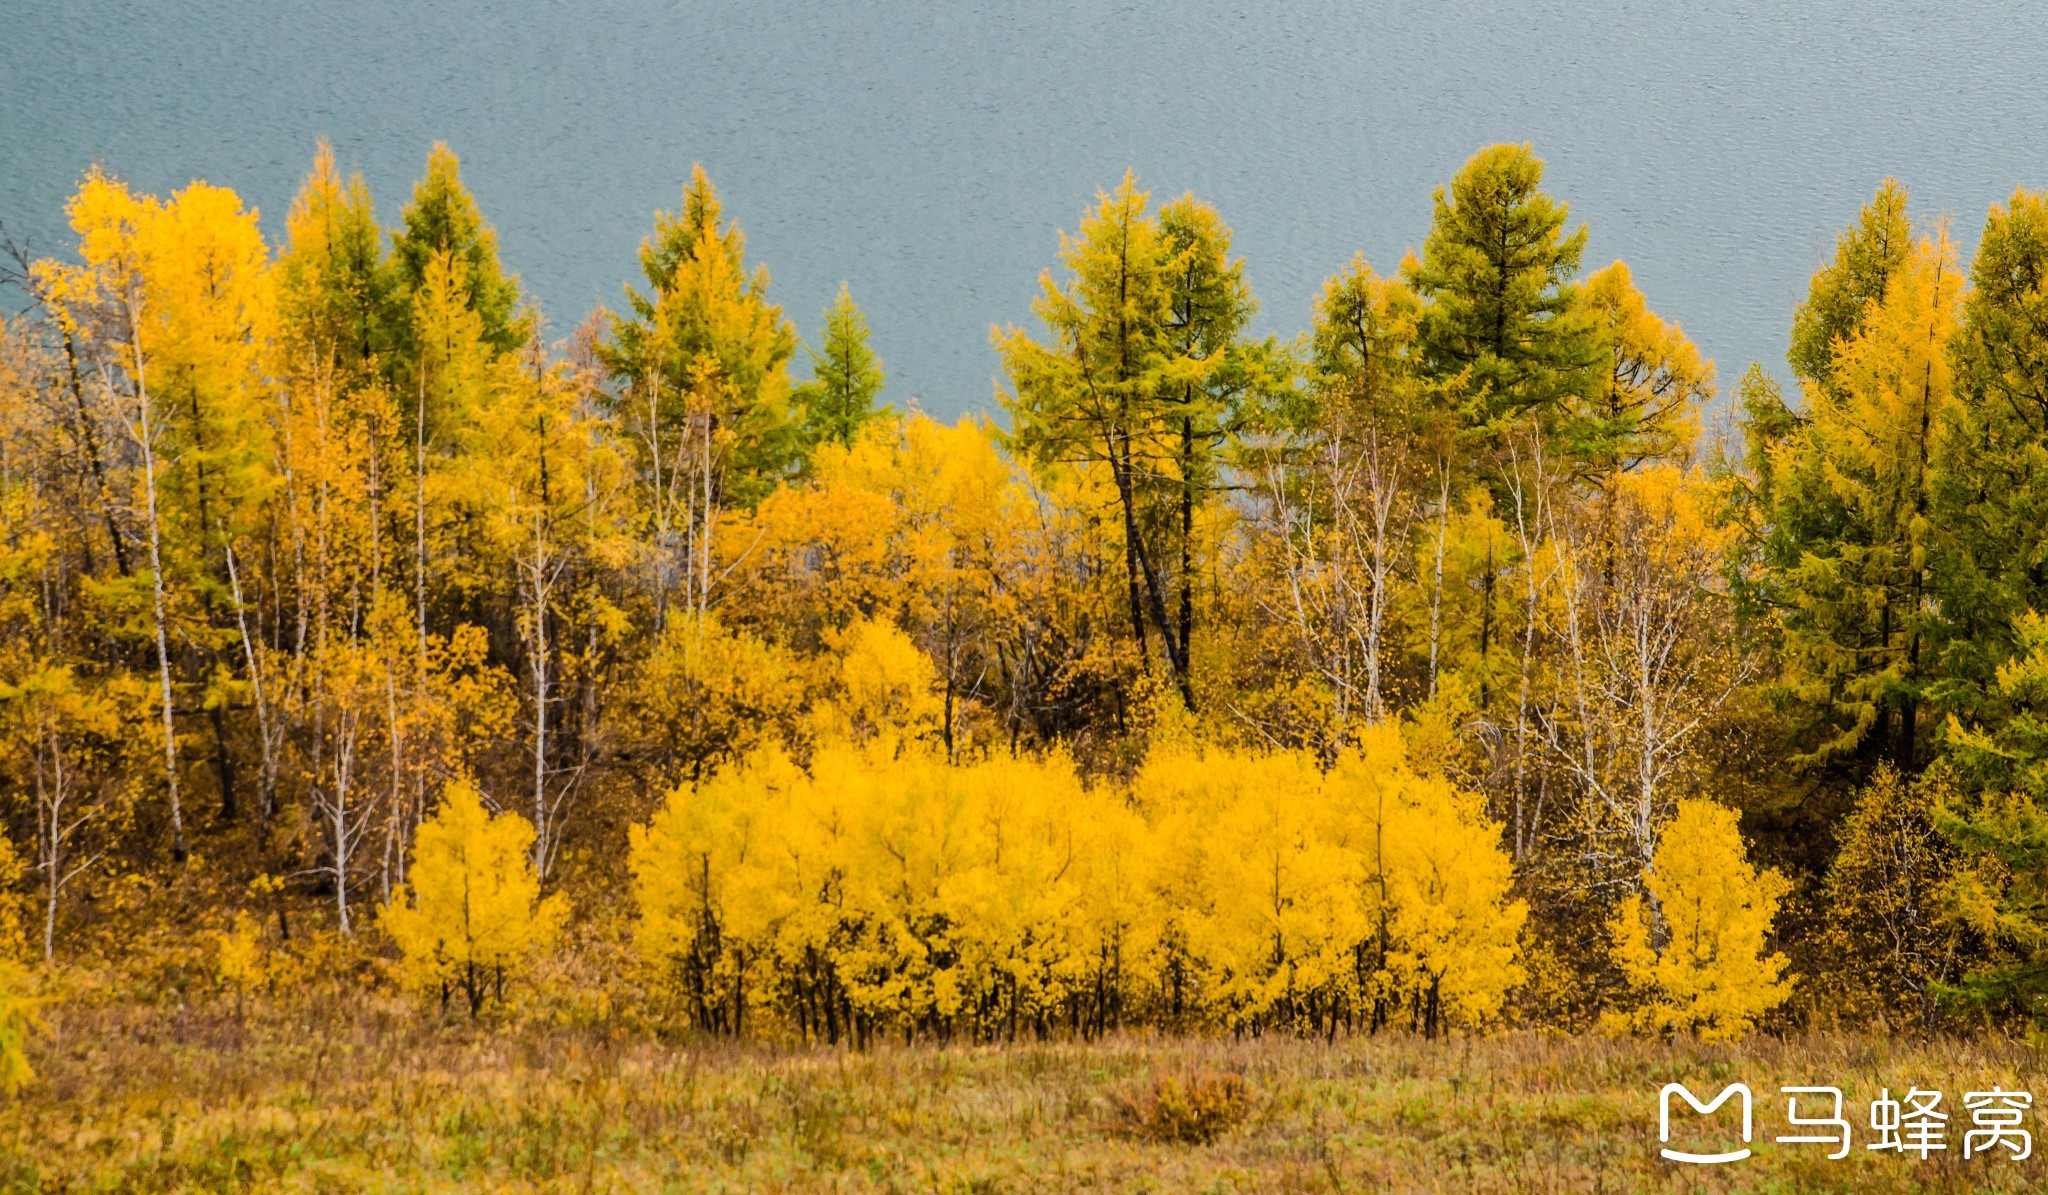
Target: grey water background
(928, 154)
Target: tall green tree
(1142, 374)
(1851, 549)
(1991, 496)
(846, 378)
(1505, 316)
(1999, 889)
(1846, 290)
(443, 218)
(1212, 375)
(334, 284)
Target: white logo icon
(1707, 1109)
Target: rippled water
(928, 154)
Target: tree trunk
(147, 435)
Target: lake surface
(928, 154)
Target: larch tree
(177, 294)
(700, 363)
(846, 378)
(1991, 468)
(1505, 315)
(1997, 826)
(1510, 342)
(1847, 290)
(1855, 552)
(1143, 375)
(443, 220)
(538, 471)
(1647, 407)
(334, 284)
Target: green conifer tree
(334, 284)
(443, 218)
(1505, 316)
(846, 377)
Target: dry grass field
(363, 1096)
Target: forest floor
(365, 1095)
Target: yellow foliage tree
(1443, 877)
(1695, 949)
(1300, 897)
(705, 842)
(240, 958)
(11, 869)
(473, 915)
(894, 890)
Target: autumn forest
(1479, 660)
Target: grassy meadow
(362, 1095)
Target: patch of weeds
(1195, 1109)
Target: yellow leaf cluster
(17, 1019)
(1369, 891)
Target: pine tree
(846, 377)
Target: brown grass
(364, 1094)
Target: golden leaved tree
(1695, 949)
(473, 915)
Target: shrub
(1192, 1110)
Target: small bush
(1195, 1110)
